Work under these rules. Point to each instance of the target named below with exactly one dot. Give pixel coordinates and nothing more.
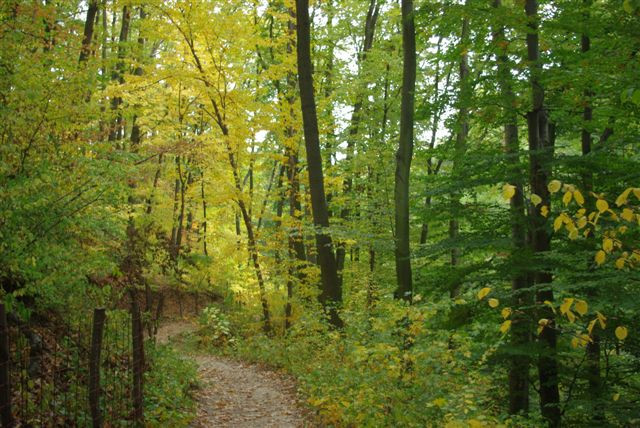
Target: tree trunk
(331, 291)
(460, 147)
(115, 133)
(520, 327)
(89, 23)
(541, 155)
(369, 32)
(404, 155)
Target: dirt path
(239, 395)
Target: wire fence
(85, 374)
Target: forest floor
(238, 394)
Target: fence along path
(88, 374)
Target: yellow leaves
(542, 323)
(557, 223)
(566, 199)
(581, 307)
(494, 303)
(535, 200)
(602, 205)
(508, 191)
(483, 293)
(607, 245)
(439, 402)
(565, 309)
(616, 396)
(580, 341)
(602, 320)
(621, 332)
(506, 313)
(622, 199)
(600, 257)
(627, 214)
(554, 186)
(544, 211)
(504, 328)
(620, 263)
(578, 197)
(566, 305)
(582, 222)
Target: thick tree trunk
(520, 327)
(404, 155)
(331, 292)
(541, 155)
(89, 23)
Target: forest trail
(237, 394)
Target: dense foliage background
(155, 147)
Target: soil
(237, 394)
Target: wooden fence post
(138, 363)
(99, 316)
(5, 381)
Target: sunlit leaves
(581, 307)
(535, 200)
(483, 293)
(554, 186)
(505, 326)
(508, 191)
(506, 313)
(621, 332)
(578, 197)
(602, 205)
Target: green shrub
(168, 388)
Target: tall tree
(331, 292)
(541, 141)
(520, 330)
(404, 155)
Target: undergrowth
(169, 386)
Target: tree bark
(369, 32)
(331, 291)
(89, 23)
(541, 155)
(460, 146)
(404, 155)
(520, 327)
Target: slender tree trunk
(175, 216)
(156, 179)
(431, 168)
(331, 292)
(460, 147)
(136, 134)
(369, 32)
(594, 376)
(204, 217)
(115, 133)
(541, 155)
(405, 154)
(520, 327)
